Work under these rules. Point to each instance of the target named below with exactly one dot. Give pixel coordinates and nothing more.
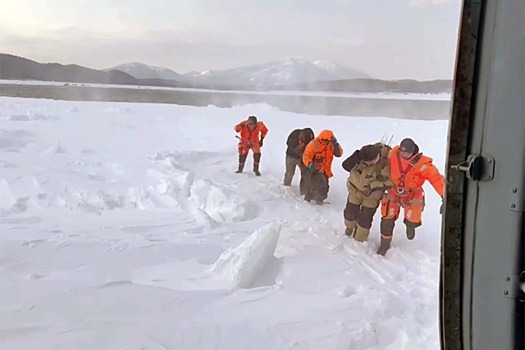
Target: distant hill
(14, 67)
(144, 71)
(291, 74)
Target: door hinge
(477, 168)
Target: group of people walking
(379, 175)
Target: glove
(311, 167)
(261, 141)
(334, 140)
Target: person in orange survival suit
(250, 130)
(409, 169)
(318, 156)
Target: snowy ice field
(123, 226)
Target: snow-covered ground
(123, 226)
(386, 95)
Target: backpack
(355, 158)
(352, 161)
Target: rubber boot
(242, 161)
(361, 233)
(387, 231)
(350, 227)
(385, 245)
(256, 161)
(240, 169)
(411, 232)
(411, 228)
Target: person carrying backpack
(368, 178)
(296, 144)
(317, 157)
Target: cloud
(187, 35)
(168, 49)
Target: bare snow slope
(124, 226)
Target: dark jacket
(297, 141)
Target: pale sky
(388, 39)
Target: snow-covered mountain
(294, 74)
(144, 71)
(341, 72)
(288, 71)
(284, 72)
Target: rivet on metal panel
(514, 190)
(507, 278)
(513, 205)
(506, 292)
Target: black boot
(350, 225)
(411, 228)
(387, 231)
(349, 233)
(411, 232)
(240, 169)
(385, 245)
(256, 160)
(242, 160)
